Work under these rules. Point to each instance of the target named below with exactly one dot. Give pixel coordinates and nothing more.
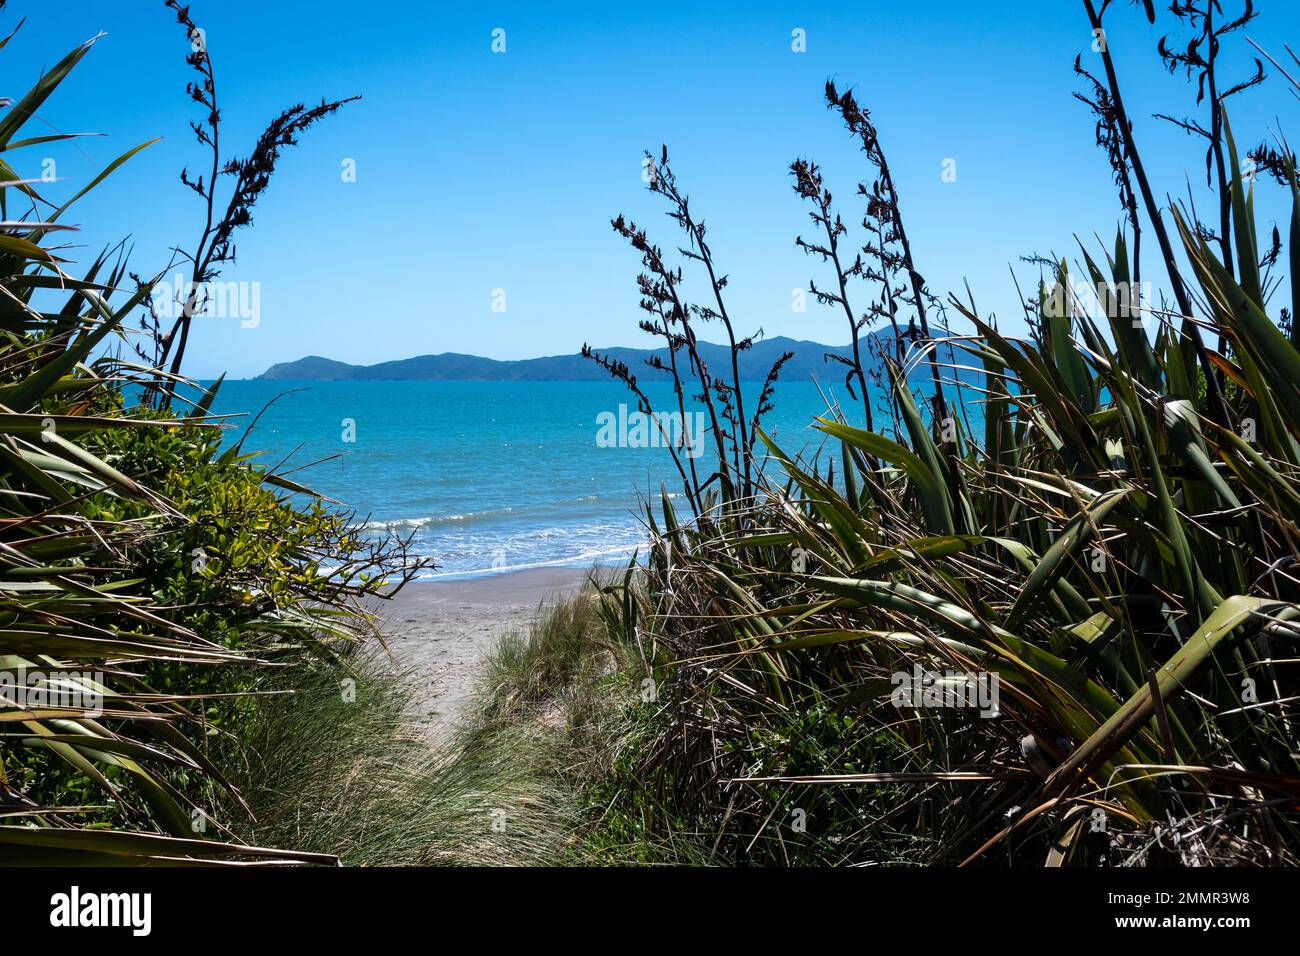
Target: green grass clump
(343, 766)
(562, 653)
(542, 770)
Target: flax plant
(1114, 543)
(118, 648)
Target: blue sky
(479, 171)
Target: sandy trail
(440, 631)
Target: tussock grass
(550, 749)
(364, 779)
(552, 661)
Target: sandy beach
(439, 631)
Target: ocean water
(489, 476)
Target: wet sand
(439, 631)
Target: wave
(433, 521)
(560, 562)
(395, 524)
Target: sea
(487, 477)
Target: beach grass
(541, 768)
(344, 766)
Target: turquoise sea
(488, 476)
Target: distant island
(809, 359)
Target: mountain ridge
(457, 366)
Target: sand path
(441, 630)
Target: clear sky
(478, 171)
